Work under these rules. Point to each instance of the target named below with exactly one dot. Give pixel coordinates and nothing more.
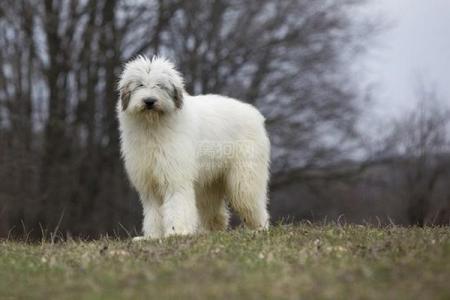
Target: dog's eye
(161, 86)
(140, 85)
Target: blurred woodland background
(60, 164)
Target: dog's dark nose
(149, 102)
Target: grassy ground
(287, 262)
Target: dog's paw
(140, 238)
(179, 232)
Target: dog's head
(150, 86)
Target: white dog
(188, 156)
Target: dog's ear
(125, 94)
(177, 96)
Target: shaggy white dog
(190, 156)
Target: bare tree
(419, 150)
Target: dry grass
(288, 262)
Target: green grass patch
(286, 262)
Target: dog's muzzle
(149, 103)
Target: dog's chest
(154, 165)
(145, 162)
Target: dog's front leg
(180, 214)
(152, 226)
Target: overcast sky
(416, 45)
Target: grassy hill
(287, 262)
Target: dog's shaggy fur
(190, 156)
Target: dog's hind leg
(213, 210)
(247, 193)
